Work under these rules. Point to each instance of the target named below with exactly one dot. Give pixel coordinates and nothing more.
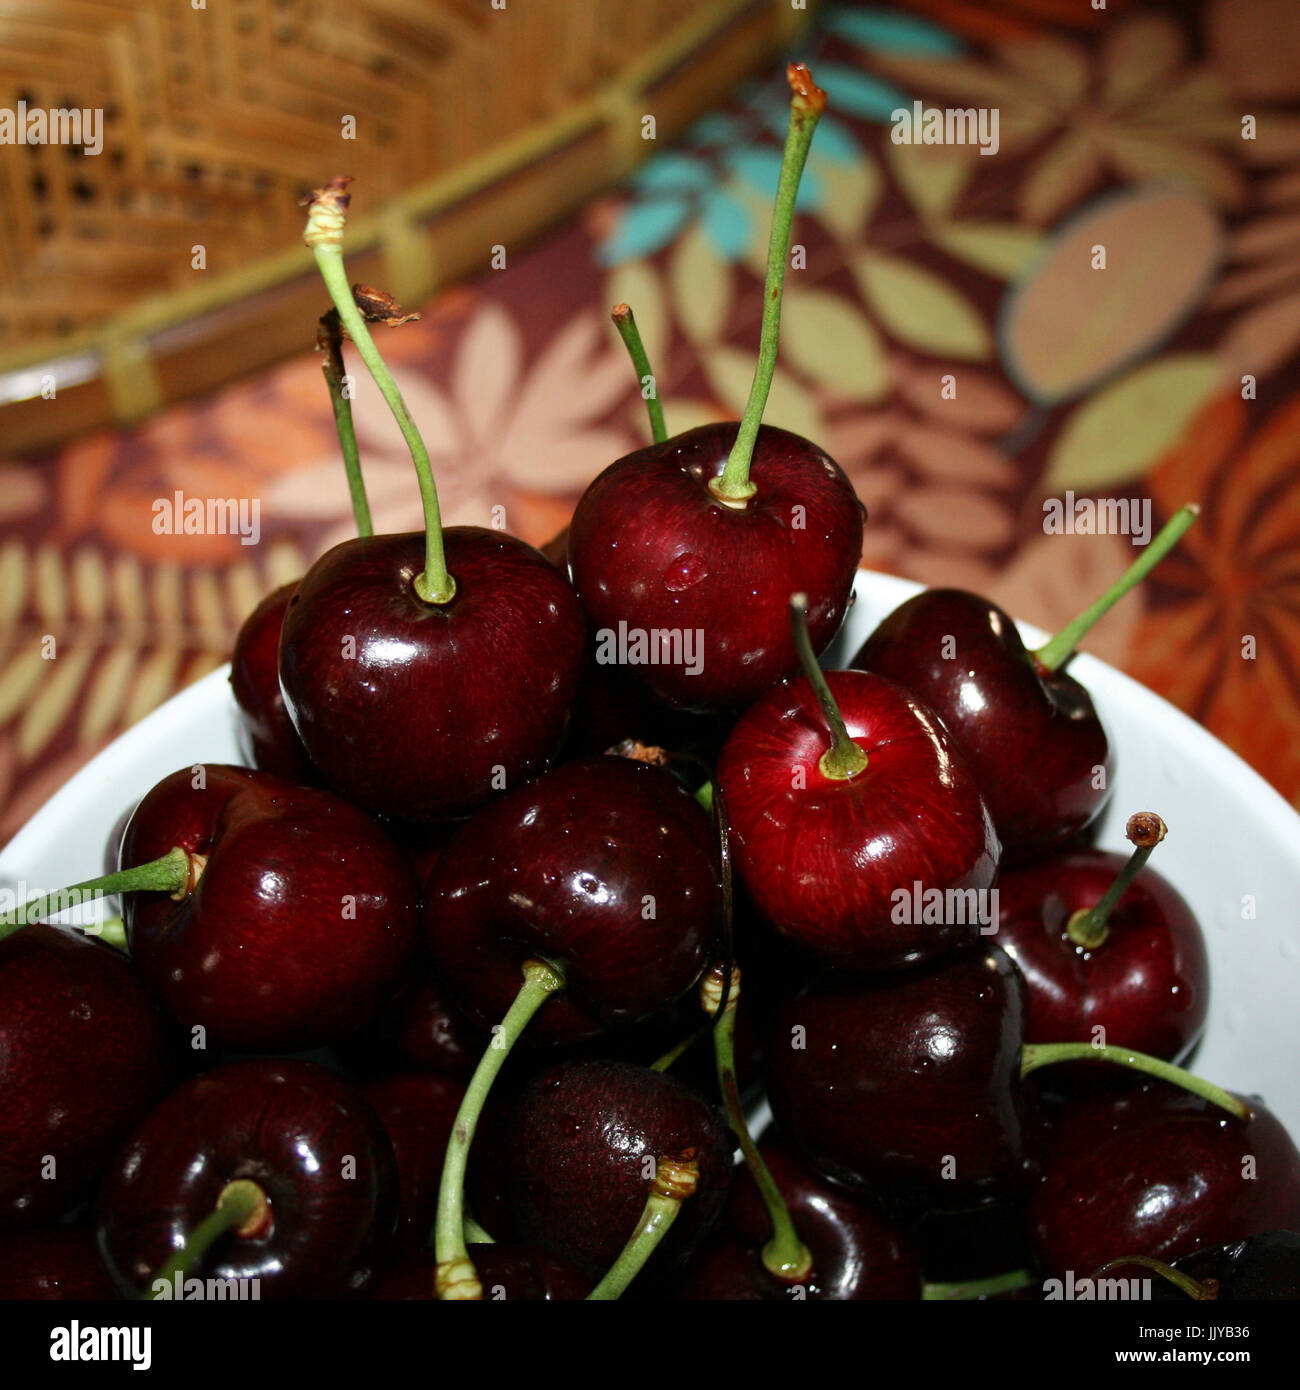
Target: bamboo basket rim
(116, 350)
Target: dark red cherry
(1160, 1172)
(53, 1263)
(856, 1253)
(417, 1111)
(908, 1086)
(509, 1273)
(1146, 985)
(420, 1029)
(584, 1143)
(604, 867)
(310, 1140)
(1265, 1266)
(422, 710)
(842, 866)
(302, 921)
(1032, 738)
(271, 739)
(652, 550)
(83, 1055)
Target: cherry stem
(324, 234)
(806, 107)
(475, 1234)
(785, 1256)
(1202, 1290)
(1088, 927)
(242, 1206)
(174, 873)
(674, 1181)
(330, 341)
(1059, 649)
(844, 758)
(111, 931)
(979, 1288)
(456, 1277)
(1035, 1055)
(631, 335)
(705, 796)
(680, 1049)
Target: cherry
(704, 536)
(907, 1086)
(83, 1056)
(401, 656)
(1159, 1172)
(510, 1273)
(605, 869)
(272, 741)
(1264, 1266)
(417, 1111)
(849, 803)
(53, 1263)
(296, 923)
(856, 1253)
(304, 1140)
(1100, 947)
(1029, 730)
(419, 1029)
(414, 709)
(586, 1141)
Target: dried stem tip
(808, 96)
(379, 306)
(677, 1177)
(1145, 829)
(711, 989)
(327, 212)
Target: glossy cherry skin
(650, 546)
(1147, 985)
(424, 711)
(583, 1135)
(264, 721)
(1265, 1266)
(508, 1273)
(420, 1029)
(309, 1139)
(825, 860)
(83, 1055)
(606, 868)
(53, 1263)
(907, 1086)
(1032, 737)
(417, 1111)
(301, 924)
(1157, 1171)
(856, 1253)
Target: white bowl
(1233, 846)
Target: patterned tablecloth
(1166, 135)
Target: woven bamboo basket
(468, 123)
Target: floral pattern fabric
(948, 336)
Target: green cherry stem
(979, 1288)
(1059, 649)
(1088, 927)
(1203, 1290)
(681, 1048)
(475, 1234)
(1035, 1055)
(785, 1256)
(674, 1181)
(456, 1276)
(330, 342)
(175, 873)
(806, 106)
(631, 335)
(844, 758)
(324, 234)
(242, 1207)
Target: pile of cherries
(464, 989)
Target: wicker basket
(468, 123)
